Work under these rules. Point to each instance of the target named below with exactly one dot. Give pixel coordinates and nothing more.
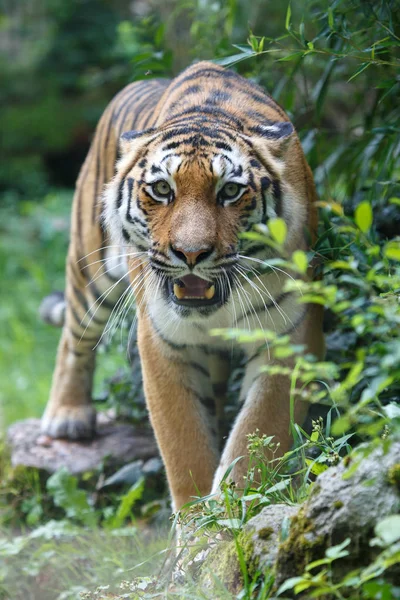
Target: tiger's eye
(230, 190)
(161, 188)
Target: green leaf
(291, 56)
(288, 17)
(342, 264)
(341, 425)
(392, 410)
(363, 216)
(281, 485)
(303, 585)
(392, 250)
(234, 59)
(128, 500)
(244, 48)
(338, 551)
(64, 488)
(284, 352)
(231, 523)
(300, 260)
(389, 529)
(301, 32)
(289, 584)
(278, 230)
(229, 469)
(330, 18)
(317, 563)
(316, 468)
(362, 68)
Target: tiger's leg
(92, 290)
(267, 403)
(178, 416)
(69, 412)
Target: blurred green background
(332, 65)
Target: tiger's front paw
(72, 422)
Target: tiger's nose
(191, 257)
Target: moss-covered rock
(347, 501)
(302, 544)
(222, 566)
(265, 530)
(394, 475)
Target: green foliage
(27, 238)
(66, 494)
(33, 248)
(145, 43)
(60, 560)
(76, 538)
(333, 63)
(124, 510)
(65, 59)
(360, 288)
(360, 583)
(123, 392)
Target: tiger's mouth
(194, 291)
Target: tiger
(178, 170)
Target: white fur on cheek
(111, 217)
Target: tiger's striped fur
(168, 232)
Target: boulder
(347, 501)
(119, 443)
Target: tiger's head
(183, 195)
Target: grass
(59, 560)
(33, 247)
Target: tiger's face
(183, 205)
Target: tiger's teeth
(179, 292)
(210, 292)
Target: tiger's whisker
(99, 250)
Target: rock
(259, 541)
(347, 502)
(265, 530)
(127, 475)
(119, 442)
(131, 473)
(153, 466)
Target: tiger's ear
(274, 138)
(131, 140)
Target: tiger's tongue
(194, 287)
